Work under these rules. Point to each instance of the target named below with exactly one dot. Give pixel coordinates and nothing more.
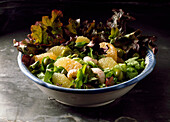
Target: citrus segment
(60, 50)
(107, 62)
(82, 39)
(111, 52)
(41, 56)
(68, 63)
(60, 80)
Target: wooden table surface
(148, 101)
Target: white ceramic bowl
(89, 97)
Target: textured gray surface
(149, 100)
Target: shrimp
(72, 74)
(87, 58)
(100, 74)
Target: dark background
(20, 99)
(19, 14)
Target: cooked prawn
(100, 74)
(87, 58)
(72, 74)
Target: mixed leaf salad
(85, 55)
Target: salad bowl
(89, 97)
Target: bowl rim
(148, 69)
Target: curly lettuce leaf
(39, 34)
(48, 29)
(72, 26)
(119, 20)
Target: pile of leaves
(50, 32)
